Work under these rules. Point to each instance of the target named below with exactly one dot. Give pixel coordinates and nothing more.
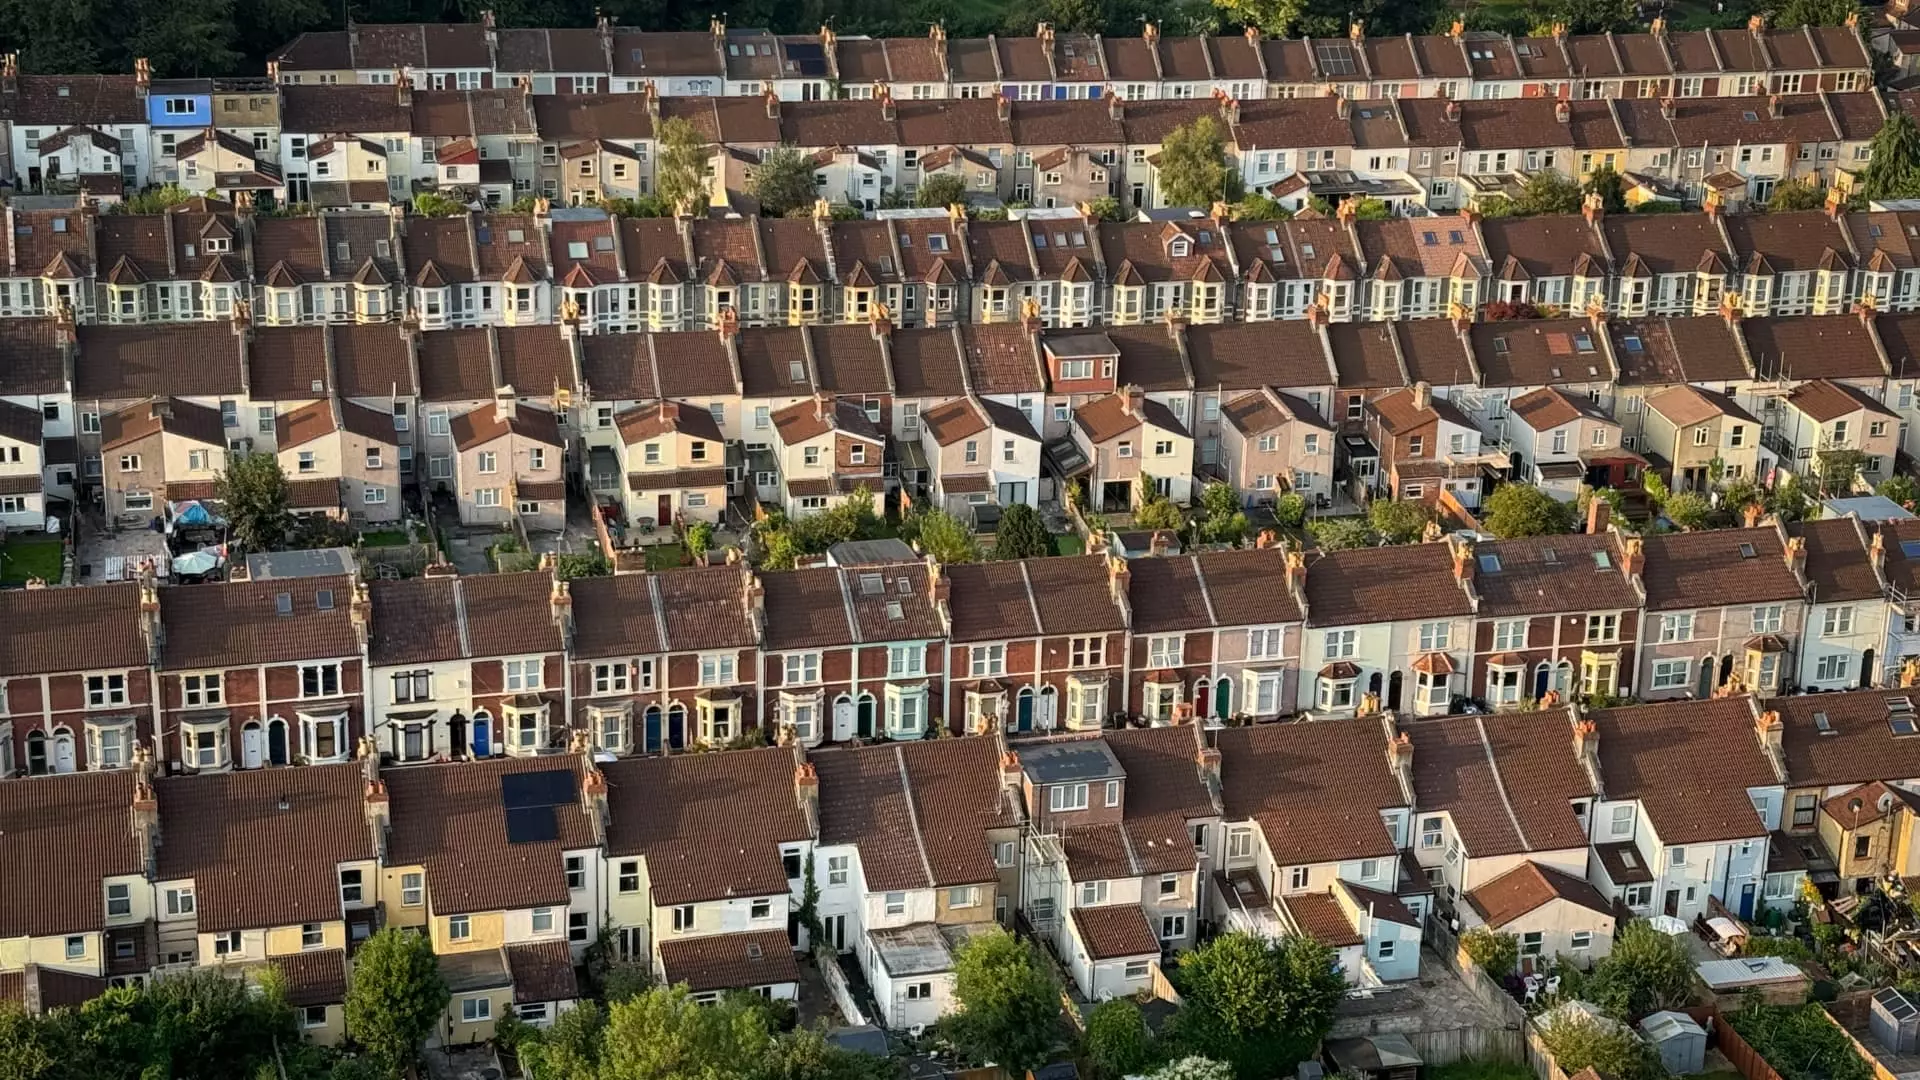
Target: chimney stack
(1422, 396)
(1668, 108)
(1751, 514)
(806, 787)
(1119, 576)
(562, 603)
(1586, 743)
(1771, 733)
(1464, 562)
(145, 811)
(1773, 106)
(1634, 560)
(1453, 111)
(1593, 207)
(1836, 203)
(1400, 755)
(403, 88)
(1003, 108)
(1877, 552)
(1599, 512)
(360, 610)
(1711, 202)
(1133, 399)
(1797, 554)
(1563, 112)
(939, 586)
(773, 104)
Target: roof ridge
(1206, 595)
(913, 813)
(1032, 604)
(1500, 783)
(1126, 841)
(659, 615)
(460, 618)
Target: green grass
(1471, 1069)
(666, 556)
(31, 556)
(384, 538)
(1069, 544)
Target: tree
(1607, 184)
(947, 538)
(433, 204)
(1195, 1068)
(1796, 195)
(1263, 1005)
(699, 539)
(1106, 208)
(1275, 18)
(1580, 1042)
(1838, 469)
(1646, 971)
(805, 1054)
(1496, 953)
(1118, 1043)
(1339, 534)
(1656, 488)
(253, 492)
(570, 565)
(666, 1034)
(941, 190)
(1524, 510)
(395, 998)
(1257, 207)
(1010, 1007)
(1688, 509)
(1901, 489)
(568, 1049)
(1789, 500)
(1193, 164)
(1587, 16)
(783, 182)
(1290, 509)
(1021, 535)
(1398, 521)
(646, 206)
(1547, 192)
(680, 170)
(1221, 519)
(1794, 14)
(1893, 164)
(1370, 209)
(152, 201)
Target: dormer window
(1180, 248)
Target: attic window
(342, 253)
(1746, 551)
(1489, 564)
(1307, 250)
(59, 224)
(576, 250)
(1179, 248)
(796, 371)
(603, 243)
(516, 236)
(1430, 239)
(323, 599)
(1873, 231)
(1455, 236)
(65, 91)
(936, 241)
(634, 55)
(1550, 557)
(1750, 116)
(1602, 561)
(906, 586)
(1583, 341)
(1273, 237)
(1823, 725)
(886, 264)
(483, 233)
(1900, 719)
(753, 950)
(1631, 343)
(872, 585)
(1039, 239)
(1500, 346)
(1079, 239)
(895, 611)
(1910, 548)
(382, 248)
(283, 603)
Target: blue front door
(1746, 901)
(1024, 722)
(482, 744)
(652, 731)
(676, 729)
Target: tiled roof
(30, 358)
(709, 825)
(1527, 887)
(56, 630)
(64, 834)
(1685, 406)
(617, 367)
(1367, 585)
(1164, 791)
(1328, 807)
(1112, 931)
(478, 427)
(263, 847)
(1001, 358)
(1542, 575)
(1857, 744)
(314, 978)
(542, 971)
(706, 608)
(1319, 916)
(450, 819)
(614, 616)
(288, 363)
(828, 606)
(1508, 785)
(1713, 569)
(371, 360)
(1654, 753)
(927, 363)
(737, 961)
(1838, 566)
(182, 360)
(238, 623)
(918, 811)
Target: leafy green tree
(1496, 953)
(1106, 208)
(1806, 1043)
(1901, 489)
(1607, 184)
(1262, 1005)
(1796, 195)
(1021, 535)
(1838, 469)
(783, 182)
(1794, 14)
(1579, 1042)
(1010, 1007)
(395, 997)
(1275, 18)
(28, 1049)
(1547, 192)
(680, 169)
(939, 191)
(1371, 209)
(570, 565)
(152, 201)
(1689, 510)
(1524, 510)
(1588, 16)
(665, 1034)
(1221, 519)
(1789, 500)
(1341, 533)
(567, 1049)
(1646, 971)
(646, 206)
(1893, 167)
(805, 1054)
(699, 539)
(1398, 521)
(1257, 207)
(1156, 511)
(1194, 1068)
(1117, 1042)
(1656, 489)
(1193, 163)
(253, 492)
(433, 204)
(1290, 509)
(947, 538)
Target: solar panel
(1335, 59)
(1910, 548)
(531, 825)
(524, 790)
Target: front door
(1746, 901)
(677, 729)
(665, 513)
(277, 742)
(1043, 717)
(1023, 720)
(1673, 902)
(250, 748)
(651, 730)
(63, 753)
(1223, 698)
(457, 736)
(844, 713)
(482, 737)
(836, 932)
(1705, 688)
(1393, 689)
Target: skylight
(1631, 343)
(1746, 551)
(1490, 563)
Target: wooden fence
(1743, 1056)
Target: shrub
(1496, 954)
(1291, 509)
